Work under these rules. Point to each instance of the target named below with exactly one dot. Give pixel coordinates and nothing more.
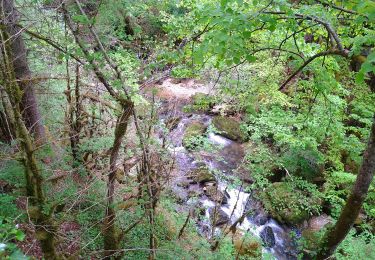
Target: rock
(243, 174)
(218, 216)
(311, 241)
(202, 102)
(183, 184)
(313, 233)
(247, 245)
(317, 223)
(194, 129)
(288, 204)
(222, 109)
(360, 219)
(268, 237)
(215, 194)
(172, 122)
(229, 128)
(194, 193)
(261, 219)
(257, 214)
(202, 175)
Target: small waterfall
(275, 237)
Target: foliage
(9, 233)
(306, 137)
(292, 201)
(9, 208)
(356, 247)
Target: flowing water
(227, 156)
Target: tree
(354, 202)
(29, 105)
(45, 227)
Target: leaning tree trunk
(111, 236)
(29, 105)
(354, 203)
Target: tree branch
(311, 59)
(50, 42)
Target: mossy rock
(229, 128)
(287, 204)
(194, 129)
(310, 240)
(202, 175)
(247, 245)
(201, 102)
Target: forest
(187, 129)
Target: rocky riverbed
(209, 181)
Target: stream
(225, 157)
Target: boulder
(229, 128)
(202, 102)
(287, 204)
(194, 129)
(261, 219)
(312, 234)
(247, 245)
(268, 237)
(317, 223)
(257, 213)
(215, 194)
(202, 175)
(218, 216)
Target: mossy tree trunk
(74, 115)
(111, 235)
(44, 226)
(355, 201)
(28, 105)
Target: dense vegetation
(184, 129)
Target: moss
(311, 239)
(202, 175)
(201, 102)
(288, 204)
(229, 128)
(247, 245)
(193, 130)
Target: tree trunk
(111, 236)
(44, 226)
(7, 132)
(29, 105)
(354, 203)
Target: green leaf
(236, 60)
(20, 236)
(82, 19)
(250, 58)
(360, 77)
